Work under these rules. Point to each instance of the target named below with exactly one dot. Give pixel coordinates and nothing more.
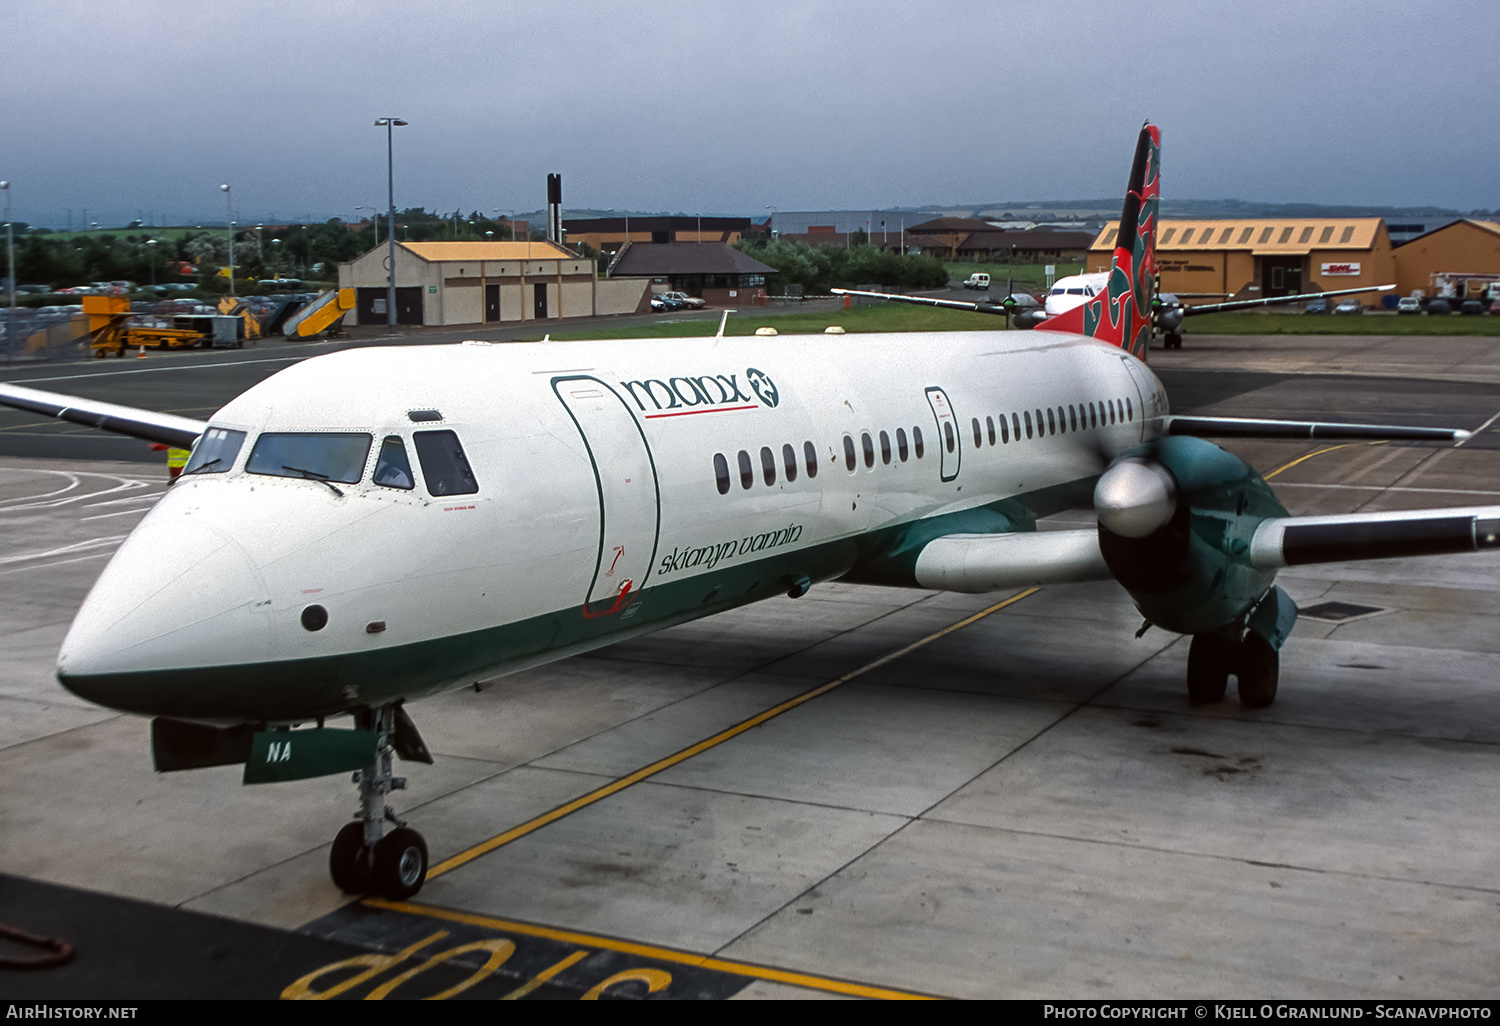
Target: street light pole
(10, 256)
(229, 209)
(390, 125)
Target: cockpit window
(393, 469)
(445, 468)
(215, 452)
(320, 456)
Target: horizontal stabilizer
(1242, 427)
(1301, 297)
(166, 428)
(977, 563)
(1298, 541)
(952, 304)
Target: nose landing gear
(362, 861)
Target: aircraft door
(1148, 400)
(950, 440)
(625, 476)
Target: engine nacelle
(1176, 518)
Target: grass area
(1028, 277)
(1249, 323)
(891, 317)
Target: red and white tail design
(1121, 313)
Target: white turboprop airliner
(380, 524)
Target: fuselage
(388, 522)
(1073, 291)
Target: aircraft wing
(1315, 430)
(978, 563)
(1246, 304)
(1298, 541)
(953, 304)
(165, 428)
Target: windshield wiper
(313, 475)
(201, 467)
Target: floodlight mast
(390, 125)
(10, 257)
(229, 218)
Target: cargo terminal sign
(1340, 270)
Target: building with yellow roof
(440, 283)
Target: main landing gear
(362, 861)
(1214, 657)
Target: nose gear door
(629, 498)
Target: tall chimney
(554, 208)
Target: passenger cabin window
(1015, 423)
(810, 456)
(747, 472)
(445, 468)
(721, 473)
(319, 456)
(215, 452)
(393, 469)
(869, 447)
(789, 457)
(1028, 425)
(1051, 422)
(849, 453)
(1004, 431)
(885, 448)
(768, 465)
(901, 449)
(948, 435)
(989, 428)
(916, 441)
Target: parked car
(1495, 307)
(690, 302)
(1471, 307)
(978, 281)
(1439, 306)
(660, 305)
(1409, 305)
(1350, 306)
(1316, 306)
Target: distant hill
(1087, 209)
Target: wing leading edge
(165, 428)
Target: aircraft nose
(178, 595)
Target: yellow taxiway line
(614, 787)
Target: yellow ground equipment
(110, 330)
(326, 313)
(237, 308)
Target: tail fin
(1121, 314)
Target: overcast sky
(135, 106)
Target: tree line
(819, 268)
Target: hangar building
(1456, 250)
(440, 283)
(1283, 256)
(1270, 257)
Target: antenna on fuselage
(723, 321)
